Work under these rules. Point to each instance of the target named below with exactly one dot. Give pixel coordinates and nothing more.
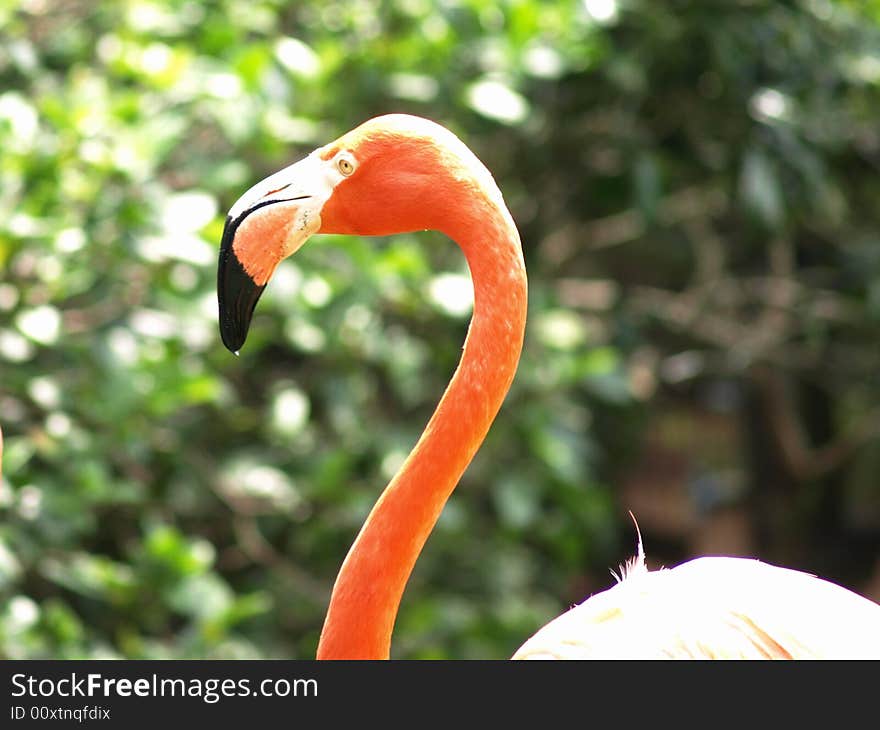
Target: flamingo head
(392, 174)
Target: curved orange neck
(367, 593)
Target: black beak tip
(237, 294)
(232, 334)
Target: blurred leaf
(760, 190)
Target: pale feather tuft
(636, 565)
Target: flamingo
(399, 173)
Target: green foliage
(163, 499)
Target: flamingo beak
(237, 292)
(267, 224)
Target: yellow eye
(345, 166)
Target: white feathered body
(714, 608)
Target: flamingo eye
(345, 166)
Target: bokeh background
(697, 184)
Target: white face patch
(309, 182)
